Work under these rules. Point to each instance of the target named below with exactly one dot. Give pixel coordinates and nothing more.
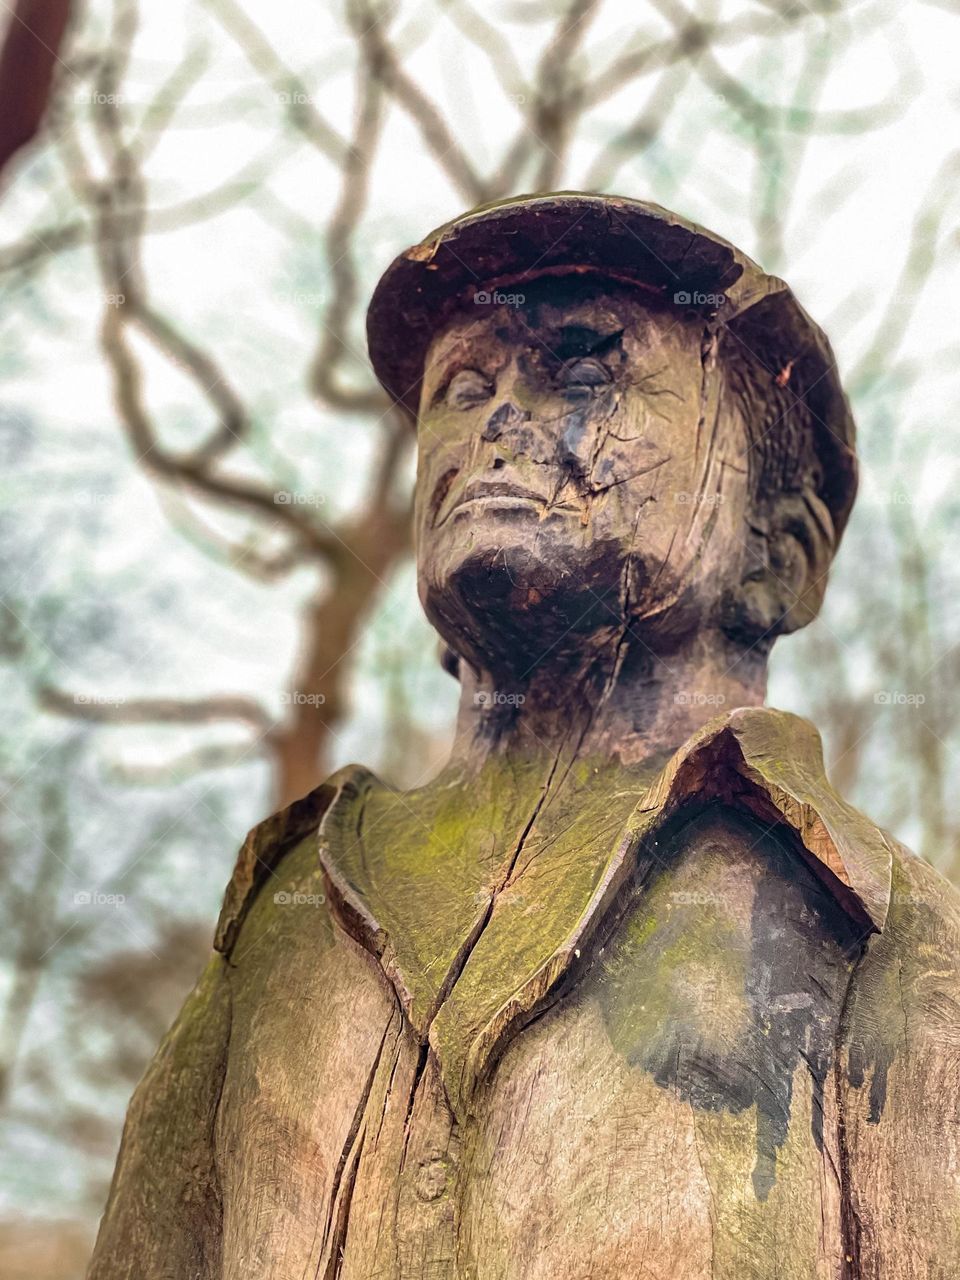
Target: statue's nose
(575, 439)
(567, 441)
(504, 417)
(510, 428)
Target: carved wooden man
(627, 991)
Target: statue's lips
(480, 491)
(503, 495)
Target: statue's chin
(509, 611)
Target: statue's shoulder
(920, 893)
(910, 973)
(281, 854)
(900, 1094)
(769, 763)
(903, 895)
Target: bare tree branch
(246, 556)
(119, 217)
(917, 268)
(796, 119)
(41, 245)
(439, 141)
(340, 234)
(290, 89)
(688, 40)
(163, 107)
(200, 760)
(28, 63)
(631, 143)
(492, 43)
(557, 96)
(98, 709)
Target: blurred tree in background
(207, 595)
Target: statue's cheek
(640, 469)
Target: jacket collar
(771, 764)
(768, 763)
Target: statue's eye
(584, 375)
(467, 389)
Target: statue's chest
(669, 1111)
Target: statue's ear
(789, 549)
(449, 660)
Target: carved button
(431, 1179)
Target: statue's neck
(638, 708)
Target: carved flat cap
(779, 359)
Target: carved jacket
(593, 1025)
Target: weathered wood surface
(164, 1213)
(733, 1079)
(900, 1074)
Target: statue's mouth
(482, 490)
(499, 495)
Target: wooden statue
(627, 992)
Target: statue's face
(581, 469)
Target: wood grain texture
(261, 852)
(550, 848)
(711, 1066)
(899, 1086)
(163, 1220)
(313, 1019)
